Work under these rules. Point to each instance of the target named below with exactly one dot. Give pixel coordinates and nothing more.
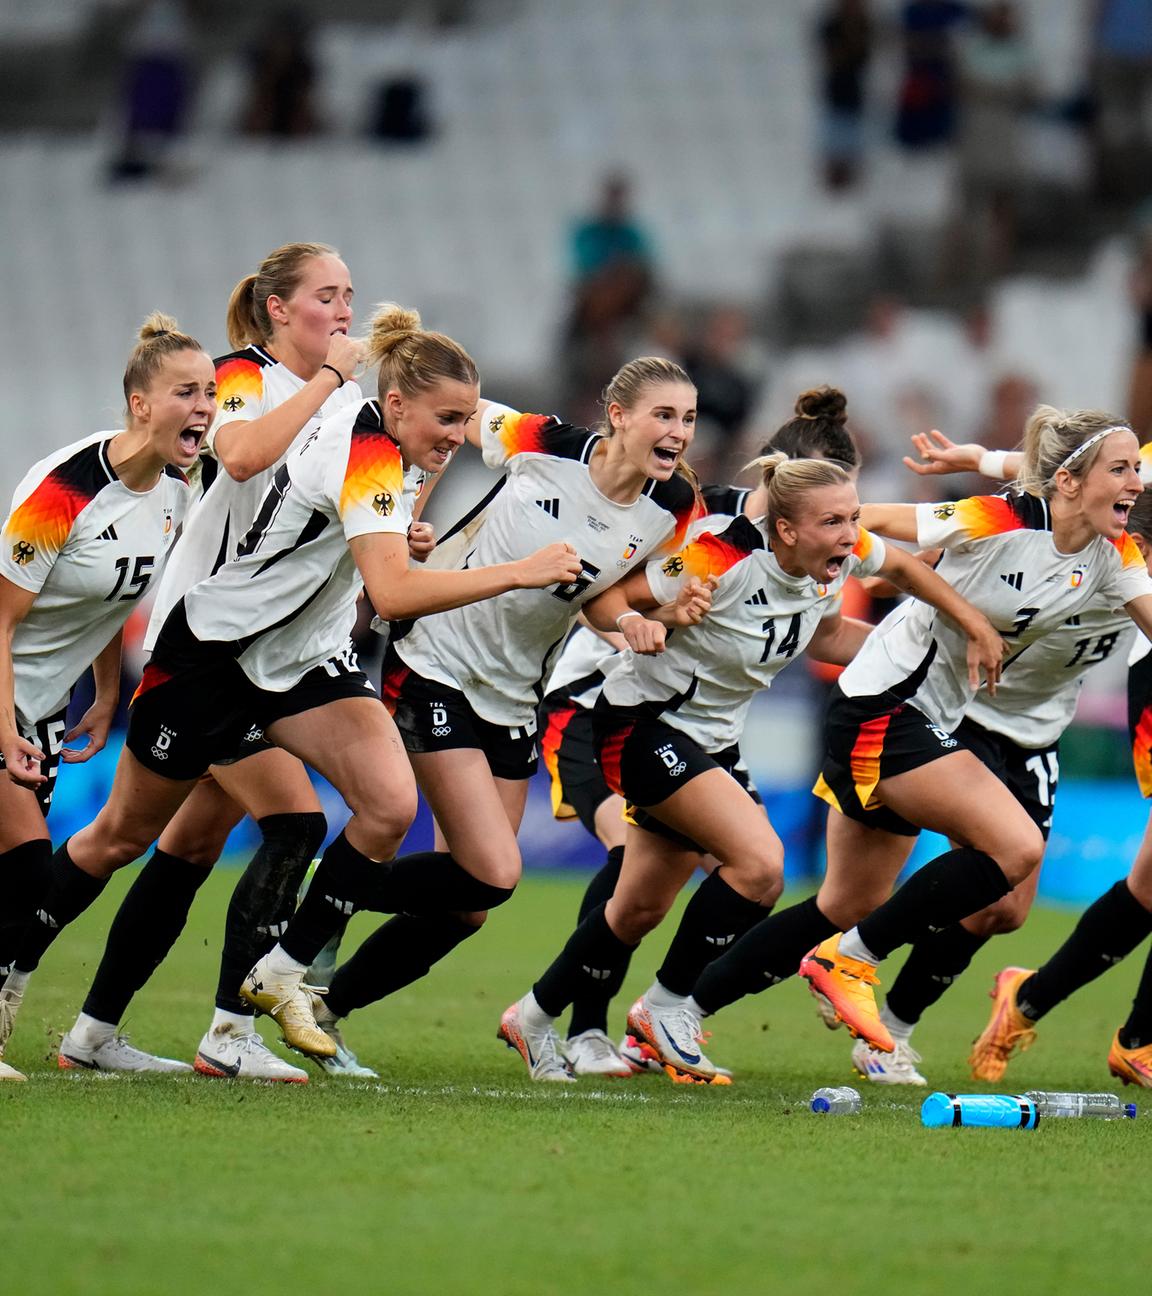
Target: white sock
(225, 1022)
(851, 946)
(535, 1018)
(899, 1030)
(90, 1032)
(17, 981)
(281, 964)
(659, 997)
(694, 1008)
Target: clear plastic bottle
(1105, 1106)
(839, 1101)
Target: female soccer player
(89, 529)
(465, 684)
(292, 366)
(264, 643)
(667, 729)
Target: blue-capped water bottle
(1104, 1106)
(988, 1111)
(842, 1100)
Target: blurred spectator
(1122, 82)
(156, 90)
(844, 35)
(400, 114)
(282, 79)
(726, 389)
(610, 238)
(929, 88)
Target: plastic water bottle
(841, 1101)
(1106, 1106)
(989, 1111)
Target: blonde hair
(787, 481)
(413, 359)
(279, 275)
(159, 337)
(624, 389)
(1053, 436)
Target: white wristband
(626, 614)
(992, 463)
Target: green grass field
(454, 1174)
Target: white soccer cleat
(10, 1073)
(227, 1054)
(10, 1001)
(345, 1063)
(675, 1036)
(895, 1068)
(592, 1053)
(114, 1054)
(640, 1057)
(539, 1046)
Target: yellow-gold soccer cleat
(847, 985)
(1008, 1030)
(1133, 1066)
(289, 1003)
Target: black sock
(1137, 1030)
(430, 882)
(68, 892)
(402, 951)
(715, 918)
(950, 887)
(765, 955)
(1108, 931)
(336, 891)
(23, 879)
(150, 918)
(591, 956)
(935, 962)
(590, 1011)
(264, 899)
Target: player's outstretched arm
(838, 639)
(939, 455)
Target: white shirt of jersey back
(499, 651)
(1001, 556)
(288, 599)
(89, 548)
(584, 654)
(220, 517)
(761, 618)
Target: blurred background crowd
(944, 208)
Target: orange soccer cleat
(1008, 1030)
(846, 984)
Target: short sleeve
(869, 554)
(239, 393)
(38, 528)
(506, 433)
(1130, 579)
(371, 497)
(706, 555)
(945, 526)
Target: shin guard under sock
(590, 958)
(590, 1011)
(715, 918)
(69, 891)
(935, 962)
(23, 878)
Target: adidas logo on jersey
(550, 506)
(1015, 579)
(109, 533)
(759, 599)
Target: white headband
(1120, 427)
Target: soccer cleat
(847, 985)
(1133, 1066)
(592, 1053)
(114, 1054)
(227, 1054)
(824, 1009)
(538, 1046)
(640, 1057)
(345, 1063)
(675, 1037)
(1008, 1030)
(10, 1073)
(895, 1068)
(10, 1001)
(289, 1003)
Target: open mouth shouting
(192, 438)
(667, 456)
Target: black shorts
(48, 735)
(180, 724)
(867, 739)
(434, 717)
(1029, 773)
(569, 751)
(645, 760)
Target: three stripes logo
(1015, 579)
(550, 506)
(759, 599)
(109, 533)
(341, 906)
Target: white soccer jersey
(498, 652)
(249, 384)
(1001, 557)
(1038, 691)
(580, 667)
(88, 548)
(287, 601)
(761, 618)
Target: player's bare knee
(1020, 855)
(632, 922)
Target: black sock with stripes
(150, 918)
(713, 921)
(936, 960)
(338, 887)
(1137, 1030)
(23, 879)
(590, 1011)
(767, 953)
(406, 948)
(1108, 931)
(950, 887)
(69, 891)
(591, 958)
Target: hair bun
(157, 325)
(823, 403)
